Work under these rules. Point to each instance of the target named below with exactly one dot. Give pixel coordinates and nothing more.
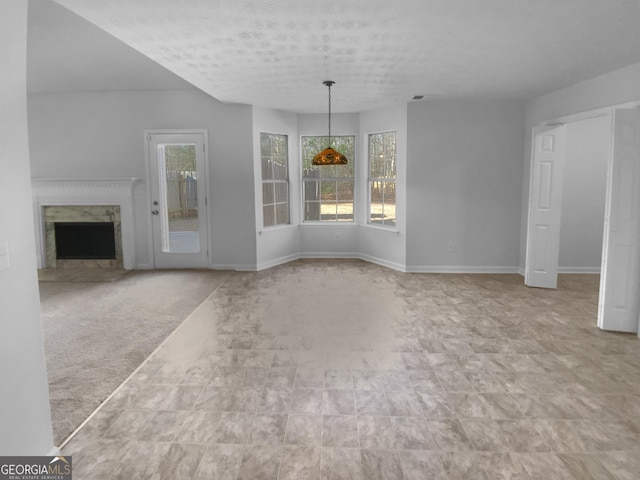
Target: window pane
(336, 171)
(267, 171)
(267, 193)
(328, 191)
(179, 199)
(281, 192)
(383, 202)
(268, 216)
(382, 155)
(279, 170)
(265, 145)
(282, 214)
(345, 201)
(312, 191)
(312, 211)
(382, 174)
(328, 211)
(275, 179)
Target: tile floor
(339, 369)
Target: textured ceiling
(276, 53)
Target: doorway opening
(583, 195)
(618, 306)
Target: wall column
(25, 415)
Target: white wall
(383, 245)
(613, 88)
(463, 185)
(583, 195)
(25, 416)
(279, 243)
(101, 135)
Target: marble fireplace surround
(81, 213)
(105, 199)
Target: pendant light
(329, 156)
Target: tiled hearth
(83, 200)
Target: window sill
(382, 228)
(329, 224)
(277, 228)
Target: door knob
(155, 212)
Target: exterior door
(545, 204)
(178, 199)
(619, 306)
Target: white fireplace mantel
(102, 191)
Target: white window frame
(351, 156)
(386, 180)
(274, 182)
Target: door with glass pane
(178, 199)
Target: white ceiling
(276, 53)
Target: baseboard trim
(461, 269)
(367, 258)
(382, 262)
(578, 270)
(233, 266)
(329, 255)
(378, 261)
(277, 261)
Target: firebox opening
(85, 240)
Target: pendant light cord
(329, 86)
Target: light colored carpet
(97, 333)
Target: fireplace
(85, 241)
(83, 236)
(86, 201)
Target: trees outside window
(382, 178)
(275, 179)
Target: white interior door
(178, 199)
(619, 307)
(545, 206)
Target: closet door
(545, 206)
(619, 307)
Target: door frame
(148, 179)
(589, 114)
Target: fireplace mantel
(102, 191)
